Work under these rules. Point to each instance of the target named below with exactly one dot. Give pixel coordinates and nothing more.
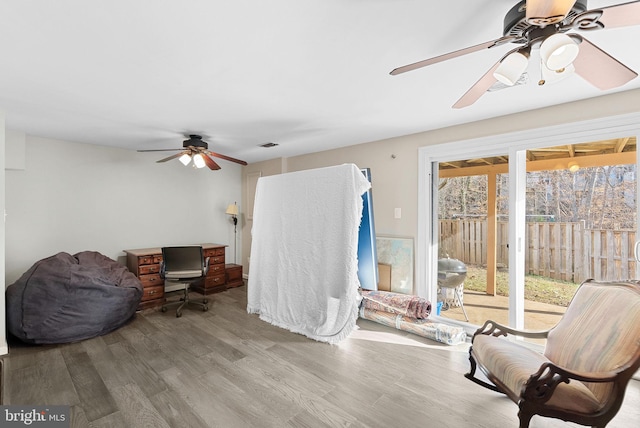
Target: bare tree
(599, 196)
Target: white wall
(395, 179)
(14, 149)
(73, 197)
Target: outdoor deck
(481, 307)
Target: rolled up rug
(396, 303)
(439, 332)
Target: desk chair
(181, 267)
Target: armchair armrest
(542, 384)
(607, 376)
(492, 328)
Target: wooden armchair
(588, 359)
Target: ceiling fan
(543, 24)
(198, 150)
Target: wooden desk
(145, 264)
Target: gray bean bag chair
(66, 298)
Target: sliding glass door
(472, 239)
(581, 215)
(521, 220)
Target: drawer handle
(152, 292)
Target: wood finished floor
(226, 368)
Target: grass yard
(536, 288)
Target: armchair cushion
(513, 364)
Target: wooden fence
(565, 251)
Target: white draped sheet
(303, 274)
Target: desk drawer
(212, 284)
(216, 269)
(150, 293)
(145, 260)
(214, 281)
(151, 280)
(213, 252)
(216, 260)
(147, 269)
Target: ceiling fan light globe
(511, 68)
(558, 51)
(185, 159)
(198, 161)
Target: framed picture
(398, 253)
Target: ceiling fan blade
(478, 89)
(210, 163)
(601, 69)
(177, 155)
(229, 158)
(450, 55)
(621, 15)
(546, 12)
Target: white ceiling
(309, 75)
